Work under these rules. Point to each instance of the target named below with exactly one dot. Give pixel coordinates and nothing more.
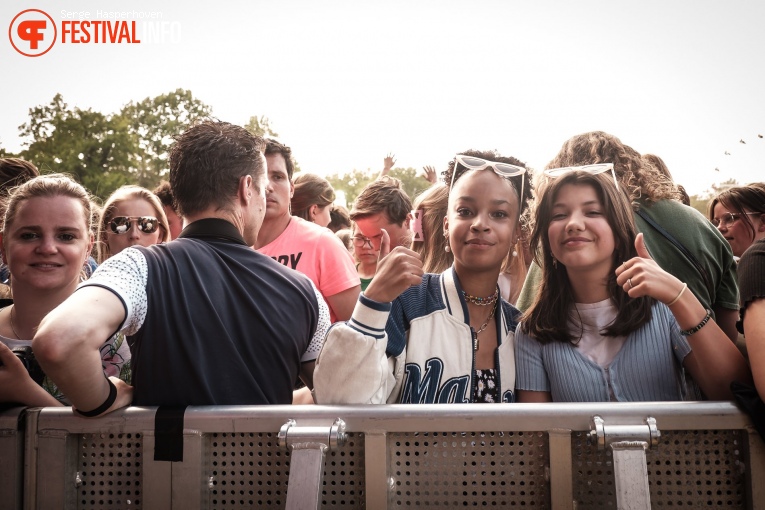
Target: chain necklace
(12, 326)
(482, 301)
(484, 326)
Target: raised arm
(67, 346)
(715, 361)
(353, 367)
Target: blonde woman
(131, 216)
(46, 239)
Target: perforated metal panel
(109, 471)
(689, 469)
(440, 469)
(251, 470)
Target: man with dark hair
(383, 204)
(209, 320)
(165, 194)
(304, 246)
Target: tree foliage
(94, 148)
(105, 151)
(260, 127)
(153, 123)
(352, 183)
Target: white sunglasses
(502, 169)
(595, 169)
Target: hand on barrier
(124, 396)
(397, 270)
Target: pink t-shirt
(317, 253)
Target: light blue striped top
(647, 368)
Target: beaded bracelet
(689, 332)
(103, 407)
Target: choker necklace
(484, 325)
(12, 326)
(482, 301)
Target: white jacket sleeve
(353, 367)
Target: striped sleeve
(530, 373)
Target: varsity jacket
(417, 349)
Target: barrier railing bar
(430, 417)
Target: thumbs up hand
(397, 270)
(642, 276)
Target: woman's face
(737, 233)
(580, 237)
(47, 244)
(320, 215)
(133, 208)
(481, 221)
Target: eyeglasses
(122, 224)
(501, 169)
(727, 219)
(361, 241)
(595, 169)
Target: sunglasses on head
(122, 224)
(502, 169)
(596, 169)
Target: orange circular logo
(32, 32)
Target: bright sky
(346, 82)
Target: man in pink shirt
(303, 246)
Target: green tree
(352, 183)
(700, 202)
(153, 123)
(95, 149)
(411, 180)
(260, 127)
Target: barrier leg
(308, 444)
(631, 475)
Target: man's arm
(67, 346)
(343, 302)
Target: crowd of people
(239, 282)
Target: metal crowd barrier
(560, 456)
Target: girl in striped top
(608, 324)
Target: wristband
(689, 332)
(679, 294)
(103, 407)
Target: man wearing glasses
(209, 321)
(383, 204)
